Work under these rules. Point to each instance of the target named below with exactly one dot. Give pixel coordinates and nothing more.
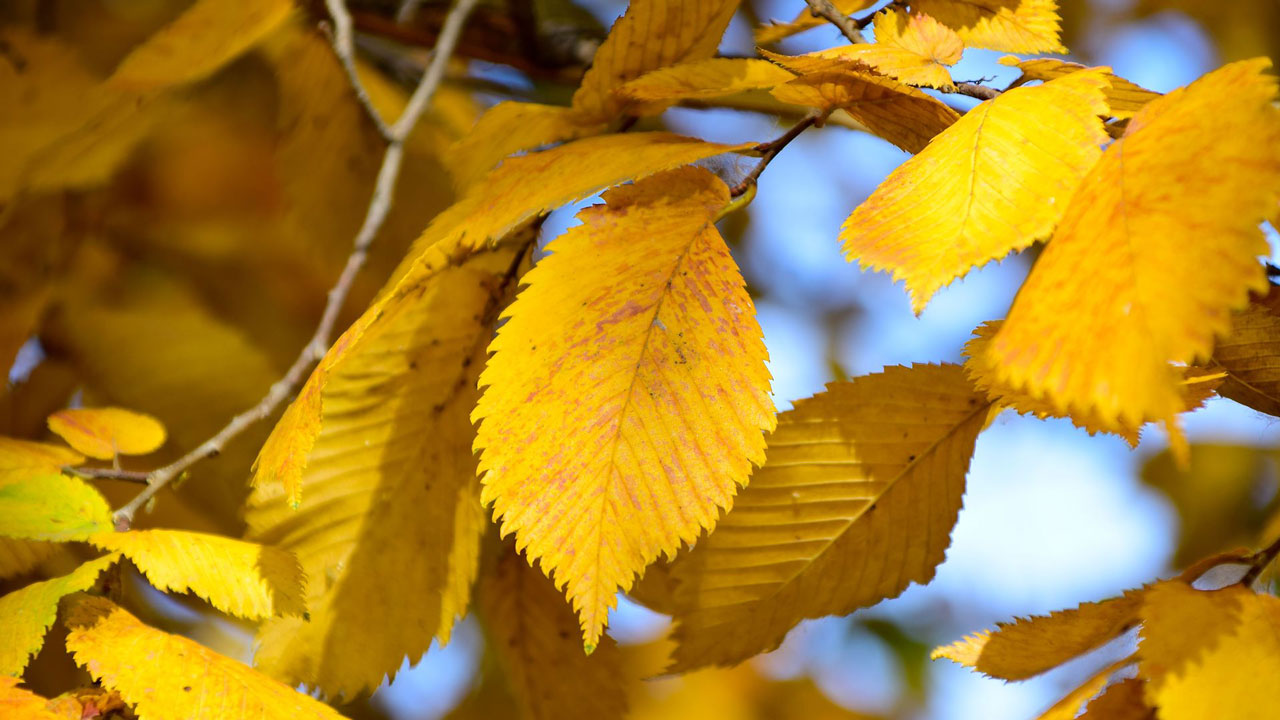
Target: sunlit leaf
(168, 677)
(1158, 244)
(509, 127)
(706, 78)
(18, 454)
(856, 501)
(1021, 26)
(995, 182)
(43, 505)
(22, 704)
(104, 433)
(27, 613)
(913, 48)
(1180, 624)
(1124, 98)
(241, 578)
(626, 398)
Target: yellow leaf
(995, 182)
(1248, 355)
(208, 35)
(1180, 624)
(705, 79)
(1196, 386)
(18, 557)
(1123, 97)
(1029, 646)
(1020, 26)
(48, 506)
(534, 635)
(1121, 701)
(27, 613)
(1069, 706)
(1159, 242)
(391, 498)
(168, 677)
(805, 20)
(650, 35)
(856, 501)
(627, 393)
(913, 48)
(18, 454)
(22, 704)
(898, 113)
(525, 186)
(241, 578)
(104, 433)
(509, 127)
(1235, 679)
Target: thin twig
(768, 151)
(1259, 562)
(137, 476)
(344, 47)
(847, 25)
(974, 90)
(379, 206)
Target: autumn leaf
(244, 579)
(202, 39)
(963, 201)
(1020, 26)
(627, 393)
(1121, 291)
(805, 20)
(1247, 354)
(391, 498)
(1069, 706)
(1124, 98)
(835, 519)
(1180, 624)
(534, 635)
(168, 677)
(48, 506)
(651, 34)
(21, 556)
(898, 113)
(1030, 646)
(22, 704)
(912, 48)
(104, 433)
(509, 127)
(27, 613)
(23, 454)
(1121, 701)
(715, 77)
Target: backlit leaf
(208, 35)
(898, 113)
(1124, 98)
(237, 577)
(650, 35)
(1248, 355)
(913, 48)
(1121, 701)
(27, 613)
(17, 454)
(534, 635)
(995, 182)
(22, 704)
(1029, 646)
(627, 394)
(103, 433)
(168, 677)
(705, 79)
(856, 501)
(509, 127)
(50, 506)
(805, 20)
(390, 498)
(1069, 706)
(1180, 624)
(1021, 26)
(1158, 244)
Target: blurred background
(184, 278)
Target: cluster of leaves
(609, 404)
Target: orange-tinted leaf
(627, 394)
(1159, 243)
(22, 704)
(103, 433)
(1124, 98)
(168, 677)
(995, 182)
(508, 128)
(650, 35)
(1249, 355)
(913, 48)
(1021, 26)
(27, 613)
(1121, 701)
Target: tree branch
(847, 25)
(108, 474)
(379, 206)
(1259, 562)
(768, 151)
(974, 90)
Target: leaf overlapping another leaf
(1124, 98)
(913, 48)
(995, 182)
(27, 613)
(1021, 26)
(1158, 244)
(103, 433)
(704, 79)
(627, 393)
(856, 500)
(44, 505)
(1249, 353)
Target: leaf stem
(1259, 562)
(768, 151)
(375, 215)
